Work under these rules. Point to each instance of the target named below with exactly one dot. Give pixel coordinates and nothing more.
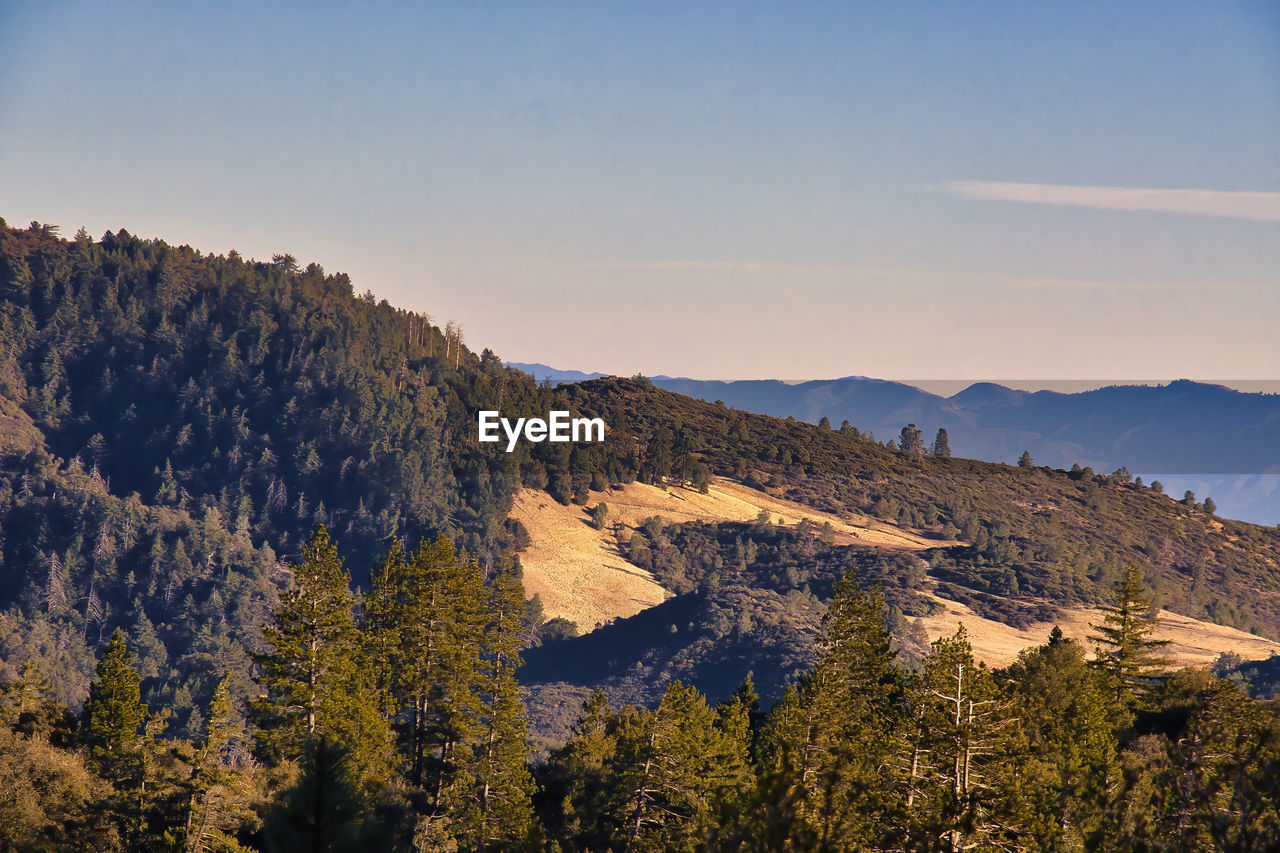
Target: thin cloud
(1263, 206)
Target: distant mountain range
(1208, 438)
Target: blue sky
(731, 190)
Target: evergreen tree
(222, 784)
(961, 790)
(499, 812)
(323, 813)
(314, 674)
(577, 780)
(427, 619)
(659, 456)
(739, 717)
(1068, 781)
(839, 731)
(941, 446)
(1125, 649)
(911, 440)
(674, 765)
(771, 819)
(1218, 787)
(1024, 461)
(114, 714)
(114, 718)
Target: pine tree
(577, 779)
(911, 440)
(323, 812)
(499, 811)
(1125, 649)
(114, 718)
(841, 728)
(114, 715)
(427, 617)
(1069, 718)
(739, 717)
(221, 795)
(941, 445)
(1218, 786)
(963, 756)
(314, 675)
(674, 766)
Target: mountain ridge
(1202, 436)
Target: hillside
(583, 573)
(1206, 438)
(174, 424)
(174, 427)
(1183, 427)
(575, 570)
(1033, 534)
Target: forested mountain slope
(175, 424)
(1191, 428)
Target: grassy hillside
(1034, 535)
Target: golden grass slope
(1192, 642)
(727, 500)
(577, 570)
(581, 575)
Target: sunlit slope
(580, 573)
(575, 569)
(1192, 642)
(1035, 537)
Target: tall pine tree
(1126, 650)
(840, 730)
(961, 791)
(315, 677)
(114, 731)
(427, 616)
(499, 811)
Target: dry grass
(1192, 642)
(580, 574)
(575, 569)
(727, 500)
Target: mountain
(542, 372)
(175, 424)
(1206, 438)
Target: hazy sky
(953, 190)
